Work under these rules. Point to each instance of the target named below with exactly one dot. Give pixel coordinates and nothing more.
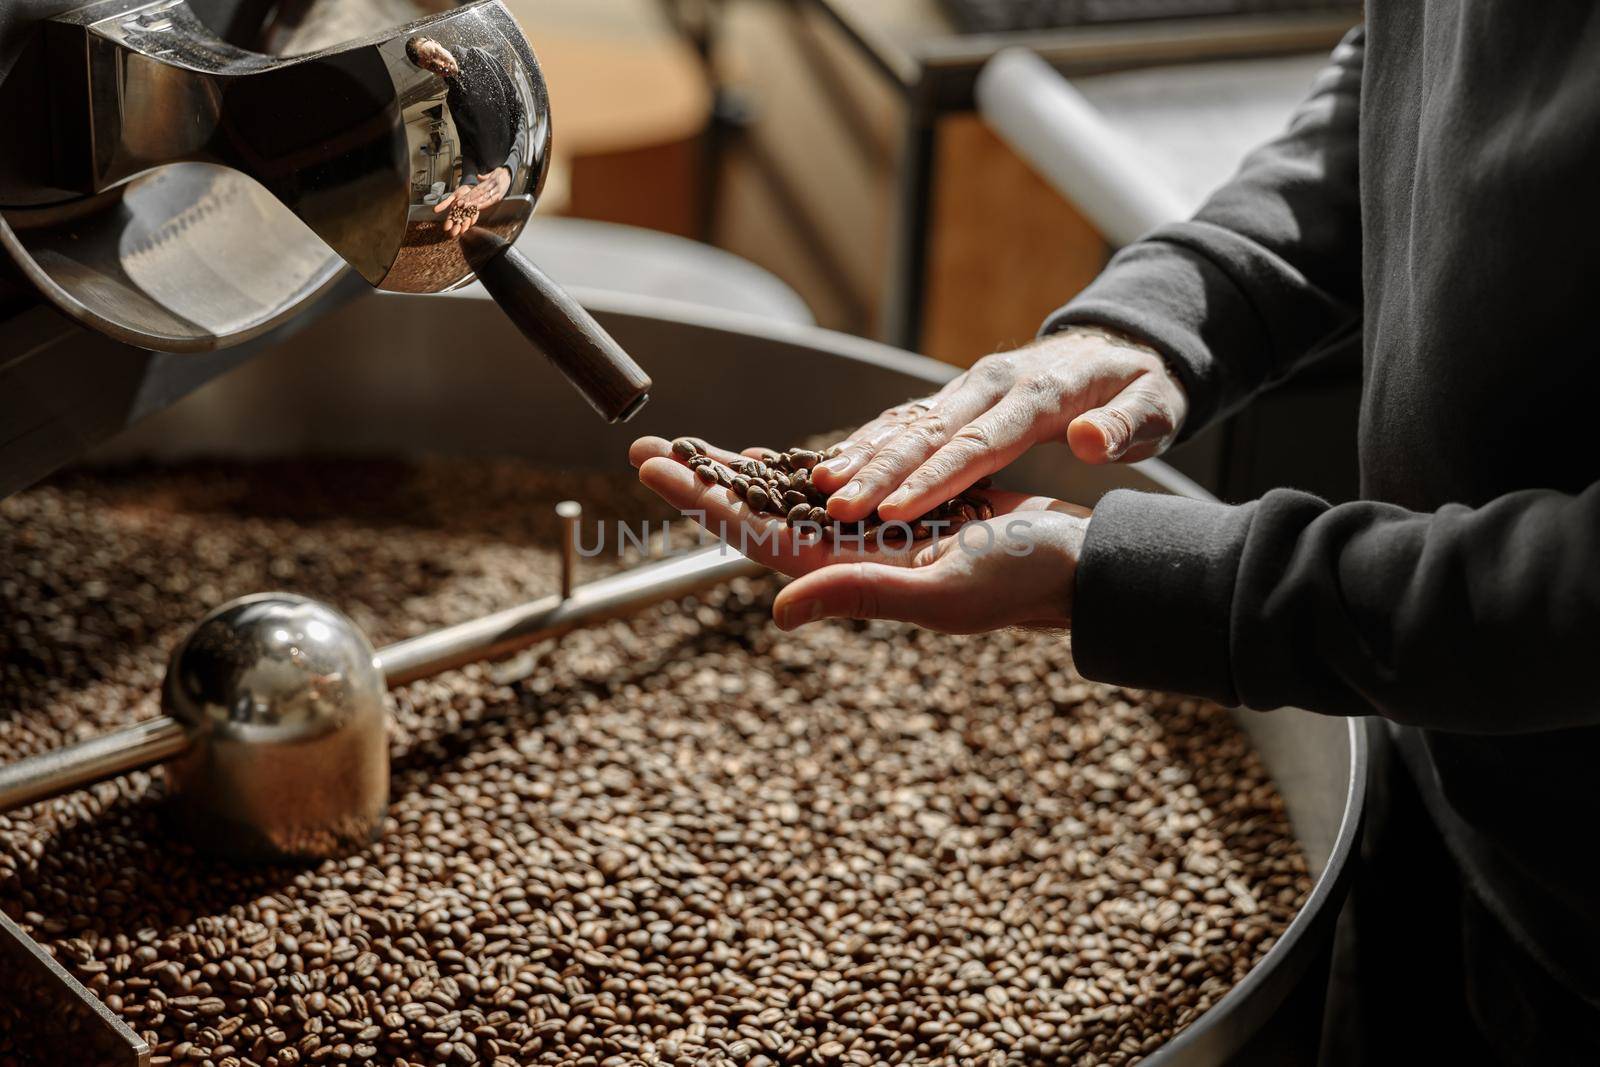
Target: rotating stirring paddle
(274, 726)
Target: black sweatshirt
(488, 115)
(1440, 193)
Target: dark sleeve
(1268, 273)
(1480, 620)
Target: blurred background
(936, 174)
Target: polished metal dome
(284, 705)
(273, 668)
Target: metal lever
(492, 637)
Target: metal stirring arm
(492, 637)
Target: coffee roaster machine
(102, 359)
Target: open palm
(1013, 569)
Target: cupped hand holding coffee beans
(1014, 567)
(1109, 397)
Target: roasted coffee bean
(686, 448)
(803, 459)
(801, 512)
(785, 483)
(687, 838)
(707, 473)
(741, 487)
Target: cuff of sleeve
(1167, 291)
(1154, 594)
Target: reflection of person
(1434, 200)
(489, 119)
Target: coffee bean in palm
(686, 448)
(793, 499)
(741, 486)
(706, 473)
(804, 459)
(758, 498)
(798, 513)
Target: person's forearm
(1267, 271)
(519, 149)
(1474, 620)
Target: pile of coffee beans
(680, 838)
(779, 483)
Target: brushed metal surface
(48, 1018)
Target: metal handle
(592, 361)
(492, 637)
(87, 762)
(505, 632)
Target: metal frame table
(934, 67)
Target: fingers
(767, 539)
(762, 538)
(649, 447)
(855, 450)
(985, 445)
(1137, 423)
(961, 398)
(878, 464)
(1002, 576)
(867, 591)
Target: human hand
(1110, 397)
(462, 214)
(1015, 569)
(491, 188)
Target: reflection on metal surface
(146, 203)
(284, 707)
(375, 145)
(48, 1018)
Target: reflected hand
(1016, 569)
(491, 188)
(1110, 397)
(462, 214)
